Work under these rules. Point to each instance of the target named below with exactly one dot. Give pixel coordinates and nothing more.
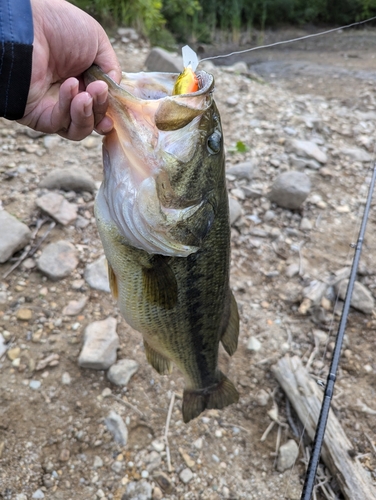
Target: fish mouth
(155, 133)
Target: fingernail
(101, 99)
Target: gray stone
(287, 456)
(38, 494)
(96, 275)
(14, 235)
(138, 490)
(186, 475)
(69, 179)
(74, 307)
(290, 189)
(51, 141)
(235, 210)
(301, 163)
(306, 149)
(121, 372)
(361, 299)
(244, 170)
(161, 60)
(100, 345)
(306, 224)
(254, 344)
(58, 260)
(3, 346)
(115, 424)
(58, 208)
(98, 462)
(357, 154)
(21, 496)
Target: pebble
(100, 345)
(51, 141)
(21, 496)
(14, 353)
(58, 260)
(64, 455)
(244, 170)
(138, 490)
(290, 189)
(262, 397)
(58, 208)
(287, 455)
(158, 445)
(306, 149)
(357, 154)
(3, 346)
(24, 314)
(198, 443)
(235, 210)
(115, 424)
(96, 275)
(157, 493)
(161, 60)
(38, 494)
(69, 179)
(186, 475)
(121, 372)
(98, 462)
(306, 224)
(163, 481)
(35, 384)
(74, 307)
(14, 235)
(66, 379)
(254, 344)
(362, 299)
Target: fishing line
(284, 42)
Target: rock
(21, 496)
(38, 494)
(290, 189)
(24, 314)
(357, 154)
(306, 149)
(301, 163)
(361, 299)
(74, 307)
(138, 490)
(100, 345)
(198, 443)
(35, 384)
(186, 475)
(3, 346)
(58, 260)
(121, 372)
(115, 424)
(51, 141)
(163, 481)
(161, 60)
(158, 445)
(14, 235)
(245, 170)
(69, 179)
(157, 493)
(96, 275)
(66, 379)
(287, 456)
(235, 210)
(254, 344)
(98, 462)
(306, 224)
(58, 208)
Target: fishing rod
(330, 381)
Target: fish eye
(214, 143)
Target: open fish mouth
(157, 136)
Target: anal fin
(112, 281)
(217, 396)
(230, 337)
(159, 283)
(157, 361)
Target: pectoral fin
(230, 337)
(157, 361)
(159, 283)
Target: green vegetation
(165, 21)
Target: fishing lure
(187, 82)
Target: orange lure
(186, 82)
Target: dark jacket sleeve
(16, 47)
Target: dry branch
(306, 397)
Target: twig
(266, 433)
(371, 443)
(168, 456)
(129, 405)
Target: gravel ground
(70, 432)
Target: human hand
(67, 41)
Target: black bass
(162, 216)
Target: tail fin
(217, 396)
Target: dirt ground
(53, 440)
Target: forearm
(16, 47)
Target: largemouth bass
(162, 216)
